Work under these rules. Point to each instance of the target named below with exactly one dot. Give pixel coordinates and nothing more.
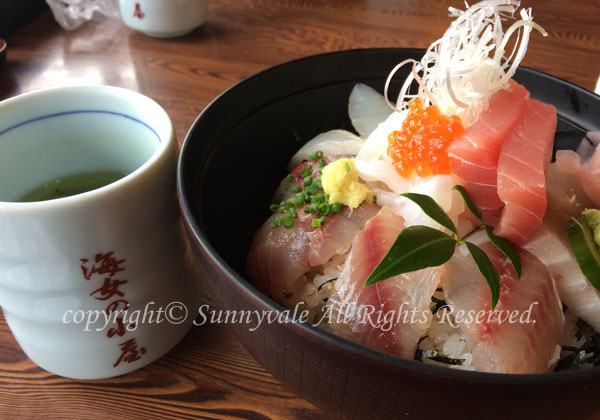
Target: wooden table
(210, 375)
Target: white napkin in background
(71, 14)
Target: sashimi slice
(522, 165)
(331, 143)
(279, 256)
(367, 108)
(475, 154)
(501, 346)
(390, 316)
(550, 244)
(587, 173)
(565, 191)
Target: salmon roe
(421, 144)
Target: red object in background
(138, 12)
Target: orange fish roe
(421, 144)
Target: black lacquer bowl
(233, 158)
(2, 52)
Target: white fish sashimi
(529, 344)
(331, 143)
(389, 316)
(588, 173)
(568, 184)
(438, 187)
(367, 109)
(588, 145)
(550, 244)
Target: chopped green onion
(347, 167)
(322, 163)
(308, 181)
(288, 221)
(313, 189)
(324, 208)
(296, 189)
(274, 208)
(316, 223)
(335, 208)
(292, 212)
(316, 155)
(305, 171)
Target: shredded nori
(328, 281)
(586, 355)
(434, 355)
(439, 304)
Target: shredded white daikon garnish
(460, 71)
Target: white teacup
(96, 284)
(163, 18)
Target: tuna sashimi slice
(550, 244)
(475, 154)
(522, 165)
(390, 316)
(529, 344)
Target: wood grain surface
(210, 375)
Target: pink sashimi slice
(522, 165)
(389, 316)
(475, 154)
(529, 344)
(280, 256)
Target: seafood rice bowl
(400, 209)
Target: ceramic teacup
(163, 18)
(96, 284)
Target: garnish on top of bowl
(443, 232)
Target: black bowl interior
(236, 152)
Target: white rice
(314, 289)
(446, 338)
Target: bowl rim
(258, 298)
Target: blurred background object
(71, 14)
(14, 14)
(163, 19)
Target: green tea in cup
(73, 184)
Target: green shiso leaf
(487, 270)
(506, 248)
(585, 249)
(468, 201)
(432, 209)
(415, 248)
